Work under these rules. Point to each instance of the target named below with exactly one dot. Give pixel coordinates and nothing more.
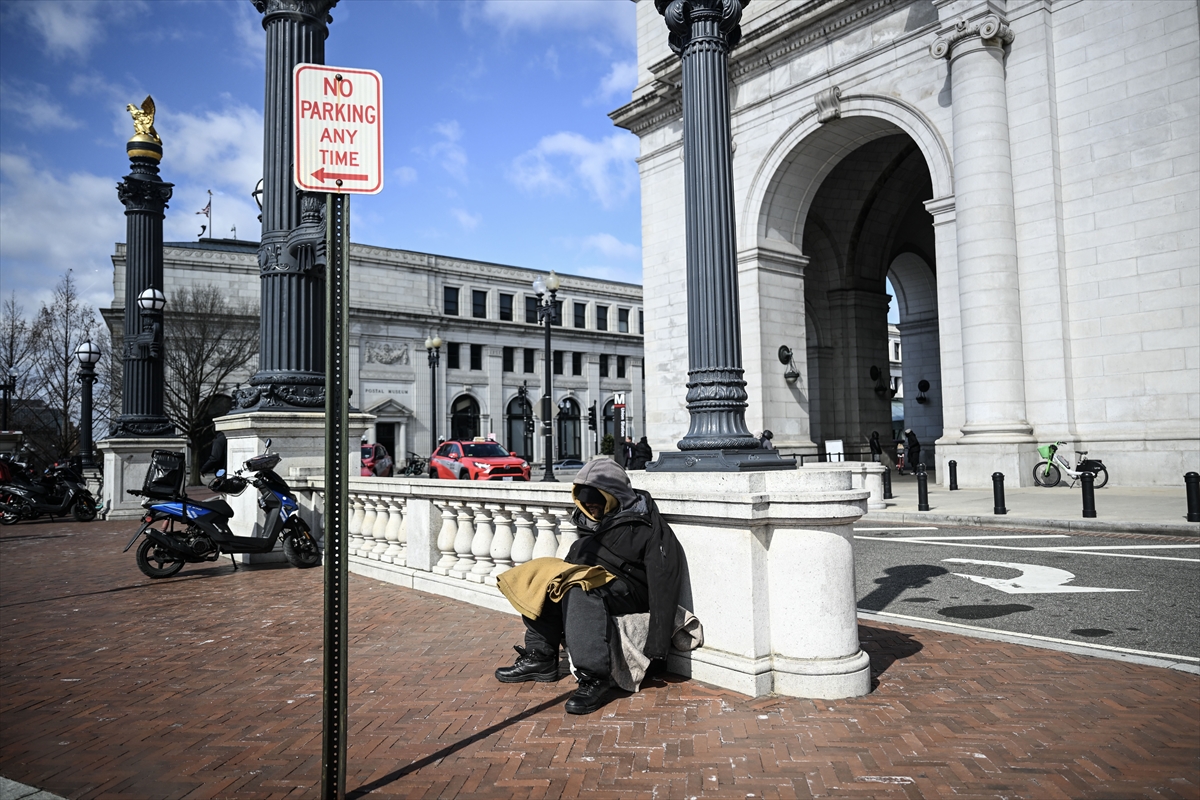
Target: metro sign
(338, 120)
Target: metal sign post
(338, 151)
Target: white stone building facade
(492, 343)
(1026, 173)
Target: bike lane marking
(1033, 579)
(1091, 550)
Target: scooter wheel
(84, 510)
(9, 517)
(156, 561)
(300, 549)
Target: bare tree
(16, 353)
(208, 341)
(59, 328)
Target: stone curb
(11, 790)
(1005, 521)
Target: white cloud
(605, 167)
(32, 105)
(609, 245)
(448, 153)
(467, 220)
(620, 81)
(405, 175)
(221, 148)
(610, 18)
(249, 34)
(53, 223)
(72, 27)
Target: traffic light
(592, 417)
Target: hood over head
(608, 477)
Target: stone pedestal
(125, 462)
(771, 576)
(864, 475)
(299, 437)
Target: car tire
(465, 475)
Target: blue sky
(497, 141)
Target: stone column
(144, 195)
(989, 293)
(291, 256)
(702, 34)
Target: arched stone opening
(570, 438)
(464, 418)
(915, 284)
(518, 421)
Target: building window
(896, 349)
(558, 361)
(508, 359)
(623, 320)
(506, 307)
(476, 356)
(558, 312)
(530, 357)
(452, 355)
(601, 318)
(620, 366)
(603, 366)
(531, 306)
(464, 418)
(450, 301)
(479, 304)
(576, 363)
(641, 321)
(581, 315)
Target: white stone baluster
(523, 541)
(368, 526)
(567, 532)
(547, 543)
(481, 545)
(401, 558)
(391, 531)
(462, 540)
(382, 516)
(502, 543)
(445, 539)
(354, 528)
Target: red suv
(478, 460)
(375, 461)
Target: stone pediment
(389, 407)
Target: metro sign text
(339, 129)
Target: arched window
(610, 416)
(464, 418)
(570, 443)
(520, 434)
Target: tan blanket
(528, 585)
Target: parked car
(376, 462)
(569, 463)
(477, 460)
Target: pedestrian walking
(912, 449)
(643, 454)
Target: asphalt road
(1037, 582)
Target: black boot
(531, 665)
(590, 696)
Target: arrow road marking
(1033, 579)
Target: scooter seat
(217, 505)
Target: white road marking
(1015, 634)
(906, 528)
(966, 541)
(1033, 579)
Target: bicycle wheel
(1046, 474)
(1101, 478)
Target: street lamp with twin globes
(432, 345)
(547, 310)
(88, 355)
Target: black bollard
(1192, 479)
(953, 476)
(1089, 494)
(922, 489)
(998, 493)
(887, 483)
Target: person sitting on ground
(766, 442)
(640, 570)
(643, 454)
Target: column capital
(990, 28)
(317, 11)
(683, 18)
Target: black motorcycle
(181, 530)
(59, 492)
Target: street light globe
(539, 285)
(553, 282)
(433, 343)
(152, 300)
(87, 353)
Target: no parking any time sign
(339, 129)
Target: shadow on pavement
(885, 648)
(896, 580)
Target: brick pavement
(208, 685)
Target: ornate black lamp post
(88, 354)
(548, 314)
(8, 388)
(432, 345)
(702, 33)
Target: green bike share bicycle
(1050, 471)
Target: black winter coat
(638, 546)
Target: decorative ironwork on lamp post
(88, 354)
(548, 314)
(432, 345)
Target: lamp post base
(750, 460)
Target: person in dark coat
(622, 531)
(216, 455)
(876, 447)
(643, 454)
(912, 450)
(765, 443)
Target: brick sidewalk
(208, 685)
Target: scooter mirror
(267, 444)
(220, 473)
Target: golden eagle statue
(143, 119)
